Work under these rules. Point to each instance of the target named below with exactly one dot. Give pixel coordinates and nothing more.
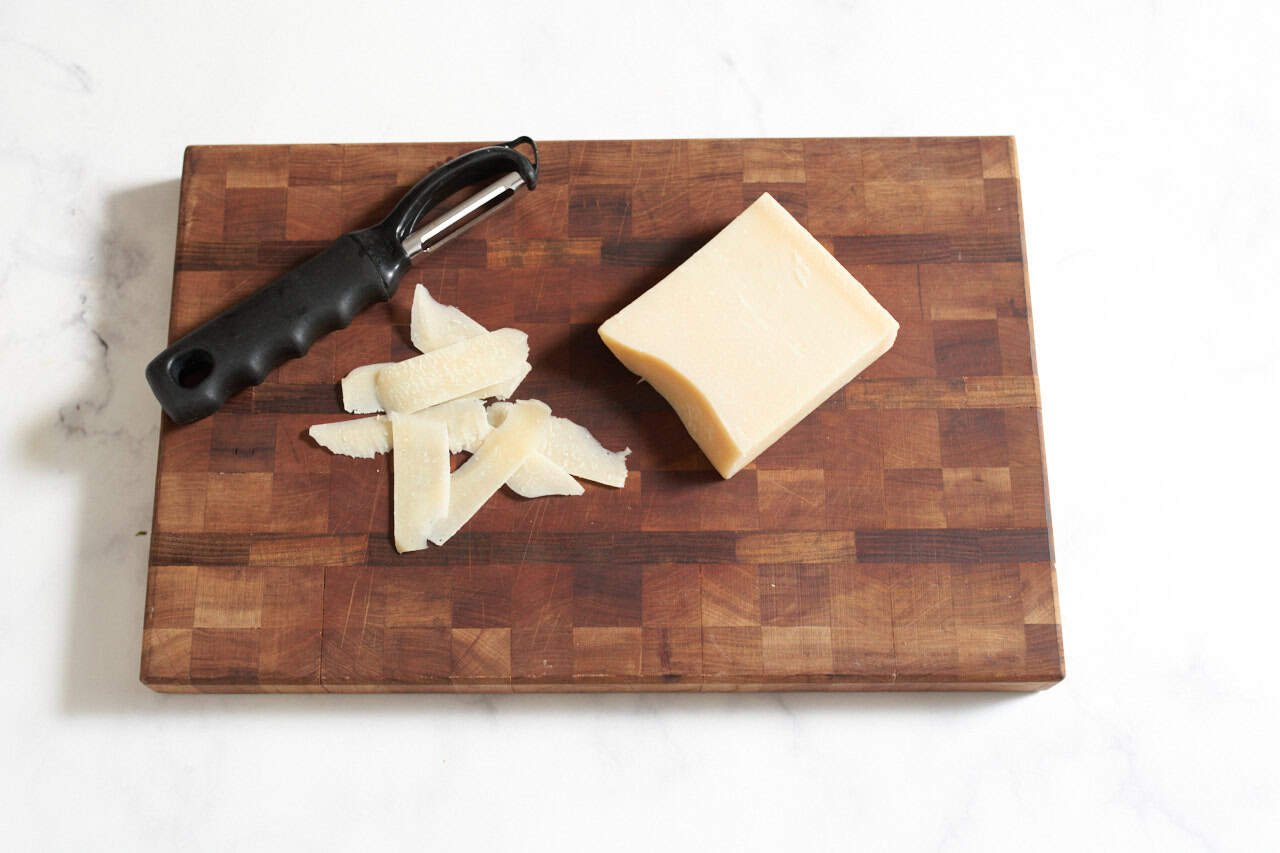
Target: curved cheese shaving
(359, 392)
(433, 326)
(501, 455)
(458, 370)
(363, 438)
(539, 477)
(574, 449)
(420, 477)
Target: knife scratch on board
(537, 296)
(471, 645)
(346, 620)
(546, 604)
(368, 600)
(797, 495)
(538, 511)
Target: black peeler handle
(198, 373)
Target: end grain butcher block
(897, 538)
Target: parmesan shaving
(363, 438)
(575, 449)
(436, 407)
(507, 387)
(501, 455)
(359, 391)
(539, 477)
(433, 326)
(420, 477)
(466, 421)
(458, 370)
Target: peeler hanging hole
(191, 368)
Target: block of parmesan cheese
(458, 370)
(751, 333)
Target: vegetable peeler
(198, 373)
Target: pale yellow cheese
(539, 477)
(359, 391)
(420, 477)
(504, 389)
(434, 326)
(571, 448)
(575, 449)
(363, 438)
(464, 420)
(457, 370)
(501, 455)
(751, 333)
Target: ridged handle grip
(238, 348)
(198, 373)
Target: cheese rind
(359, 389)
(458, 370)
(751, 334)
(433, 326)
(501, 455)
(420, 477)
(363, 438)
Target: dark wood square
(897, 538)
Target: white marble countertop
(1148, 144)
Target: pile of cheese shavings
(434, 406)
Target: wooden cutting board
(898, 538)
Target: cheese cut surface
(363, 438)
(434, 326)
(458, 370)
(751, 334)
(501, 455)
(420, 477)
(359, 389)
